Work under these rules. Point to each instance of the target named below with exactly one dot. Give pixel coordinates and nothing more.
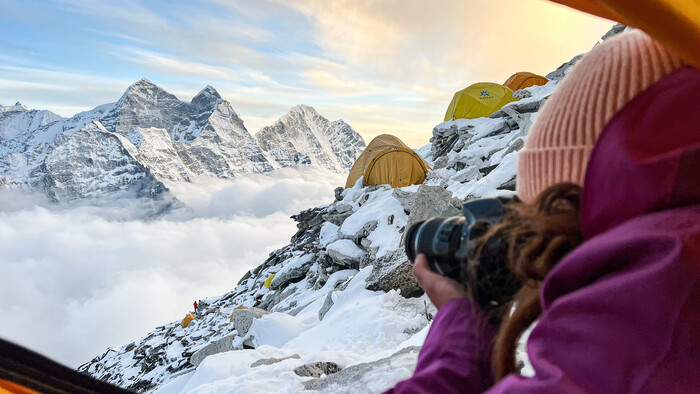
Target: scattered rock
(366, 372)
(337, 218)
(221, 345)
(345, 253)
(273, 360)
(406, 198)
(521, 94)
(431, 201)
(243, 319)
(509, 185)
(342, 208)
(615, 30)
(339, 193)
(292, 274)
(327, 304)
(318, 369)
(467, 174)
(445, 145)
(393, 272)
(560, 72)
(244, 278)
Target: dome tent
(524, 79)
(187, 320)
(478, 100)
(387, 160)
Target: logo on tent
(485, 95)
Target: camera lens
(438, 239)
(416, 240)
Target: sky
(383, 66)
(79, 278)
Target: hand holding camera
(440, 289)
(464, 256)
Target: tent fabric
(24, 371)
(7, 387)
(478, 100)
(269, 280)
(187, 320)
(524, 79)
(387, 160)
(674, 23)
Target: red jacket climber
(195, 307)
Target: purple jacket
(621, 313)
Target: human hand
(440, 289)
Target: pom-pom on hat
(567, 127)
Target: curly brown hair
(537, 236)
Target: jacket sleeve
(627, 323)
(456, 355)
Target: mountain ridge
(174, 140)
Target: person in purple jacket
(606, 242)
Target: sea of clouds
(79, 278)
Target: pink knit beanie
(567, 127)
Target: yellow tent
(187, 320)
(478, 100)
(524, 79)
(387, 160)
(269, 280)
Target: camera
(450, 243)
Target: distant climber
(195, 307)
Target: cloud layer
(78, 279)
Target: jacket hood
(647, 158)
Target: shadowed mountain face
(129, 148)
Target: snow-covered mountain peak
(17, 107)
(207, 99)
(305, 114)
(208, 91)
(303, 136)
(146, 92)
(303, 109)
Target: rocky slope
(149, 137)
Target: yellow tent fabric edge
(674, 23)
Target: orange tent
(674, 23)
(524, 79)
(187, 320)
(387, 160)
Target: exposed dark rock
(393, 272)
(273, 360)
(560, 72)
(362, 372)
(221, 345)
(615, 30)
(432, 201)
(318, 369)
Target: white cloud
(79, 278)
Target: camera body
(449, 244)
